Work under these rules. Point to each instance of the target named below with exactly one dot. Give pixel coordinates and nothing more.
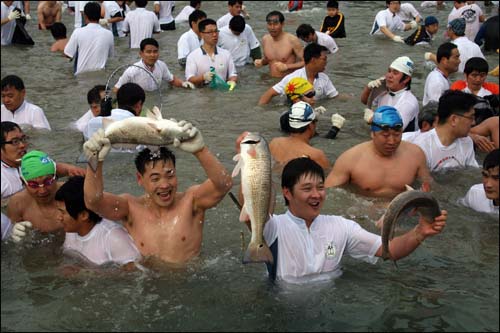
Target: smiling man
(383, 166)
(164, 223)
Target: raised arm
(341, 171)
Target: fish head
(253, 145)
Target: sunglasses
(385, 127)
(310, 94)
(35, 185)
(17, 141)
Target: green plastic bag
(217, 82)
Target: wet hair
(492, 160)
(93, 11)
(141, 3)
(234, 2)
(194, 3)
(389, 2)
(444, 51)
(94, 94)
(332, 4)
(149, 41)
(476, 64)
(237, 23)
(58, 30)
(275, 13)
(147, 155)
(428, 113)
(454, 102)
(313, 50)
(13, 81)
(129, 94)
(297, 168)
(408, 85)
(195, 16)
(203, 24)
(7, 127)
(304, 30)
(71, 193)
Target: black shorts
(168, 26)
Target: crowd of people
(407, 145)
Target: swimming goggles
(310, 94)
(385, 127)
(35, 185)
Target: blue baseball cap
(386, 117)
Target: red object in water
(294, 5)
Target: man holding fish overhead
(307, 245)
(163, 222)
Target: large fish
(254, 161)
(151, 130)
(423, 202)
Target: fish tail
(92, 161)
(258, 252)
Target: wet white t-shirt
(477, 200)
(142, 78)
(239, 46)
(323, 86)
(435, 85)
(26, 114)
(385, 18)
(471, 14)
(467, 50)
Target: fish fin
(258, 253)
(82, 158)
(106, 122)
(244, 217)
(236, 157)
(409, 188)
(154, 113)
(238, 165)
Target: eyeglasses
(464, 116)
(385, 127)
(17, 141)
(310, 94)
(210, 32)
(35, 185)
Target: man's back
(141, 24)
(285, 149)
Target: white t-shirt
(477, 200)
(481, 93)
(239, 46)
(91, 45)
(304, 254)
(82, 122)
(199, 62)
(165, 11)
(435, 85)
(106, 242)
(323, 86)
(467, 50)
(411, 136)
(112, 8)
(224, 20)
(26, 114)
(459, 154)
(95, 123)
(141, 24)
(6, 226)
(407, 12)
(7, 28)
(187, 43)
(79, 6)
(327, 41)
(140, 77)
(183, 16)
(404, 101)
(11, 181)
(471, 15)
(385, 18)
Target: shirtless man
(282, 50)
(36, 202)
(383, 166)
(48, 12)
(163, 223)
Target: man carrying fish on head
(307, 245)
(163, 223)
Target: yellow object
(297, 86)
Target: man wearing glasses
(200, 61)
(449, 145)
(383, 166)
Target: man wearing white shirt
(9, 17)
(94, 98)
(472, 14)
(190, 40)
(79, 16)
(234, 8)
(388, 22)
(467, 48)
(117, 11)
(315, 57)
(90, 46)
(308, 35)
(200, 61)
(140, 23)
(16, 109)
(164, 11)
(437, 82)
(485, 197)
(183, 16)
(408, 13)
(151, 67)
(449, 145)
(239, 39)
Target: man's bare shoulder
(292, 38)
(356, 150)
(409, 148)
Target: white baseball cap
(404, 65)
(301, 114)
